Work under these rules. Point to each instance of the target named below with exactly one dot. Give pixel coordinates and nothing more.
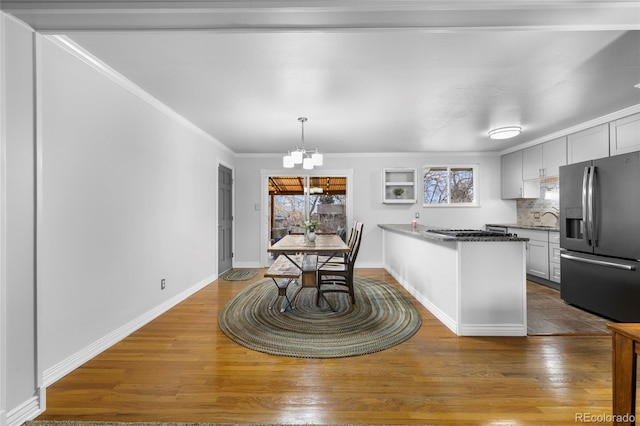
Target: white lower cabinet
(537, 251)
(538, 259)
(554, 257)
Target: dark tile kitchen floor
(548, 314)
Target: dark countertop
(420, 232)
(533, 227)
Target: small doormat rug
(241, 275)
(381, 318)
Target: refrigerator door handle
(598, 262)
(585, 206)
(592, 206)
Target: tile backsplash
(532, 211)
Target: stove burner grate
(468, 233)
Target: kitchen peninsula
(475, 285)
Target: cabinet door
(537, 251)
(554, 272)
(538, 259)
(554, 155)
(532, 162)
(589, 144)
(512, 175)
(513, 186)
(554, 261)
(625, 135)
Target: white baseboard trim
(363, 265)
(246, 265)
(514, 330)
(55, 373)
(28, 410)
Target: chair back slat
(353, 253)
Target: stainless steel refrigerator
(600, 236)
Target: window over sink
(450, 186)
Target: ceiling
(370, 75)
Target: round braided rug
(381, 318)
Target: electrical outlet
(417, 215)
(163, 284)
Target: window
(449, 186)
(293, 198)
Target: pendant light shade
(287, 161)
(307, 163)
(317, 158)
(297, 157)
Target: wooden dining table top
(324, 243)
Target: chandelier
(308, 158)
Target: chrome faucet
(552, 214)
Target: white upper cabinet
(625, 135)
(588, 144)
(532, 162)
(554, 155)
(544, 160)
(513, 185)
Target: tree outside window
(449, 186)
(329, 210)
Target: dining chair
(337, 277)
(341, 257)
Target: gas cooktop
(468, 233)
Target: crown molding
(77, 51)
(616, 115)
(326, 15)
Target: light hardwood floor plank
(182, 368)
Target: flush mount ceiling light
(505, 132)
(308, 159)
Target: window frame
(448, 167)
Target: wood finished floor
(182, 368)
(548, 314)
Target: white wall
(18, 368)
(129, 198)
(126, 195)
(367, 204)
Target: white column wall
(19, 389)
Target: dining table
(329, 245)
(326, 244)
